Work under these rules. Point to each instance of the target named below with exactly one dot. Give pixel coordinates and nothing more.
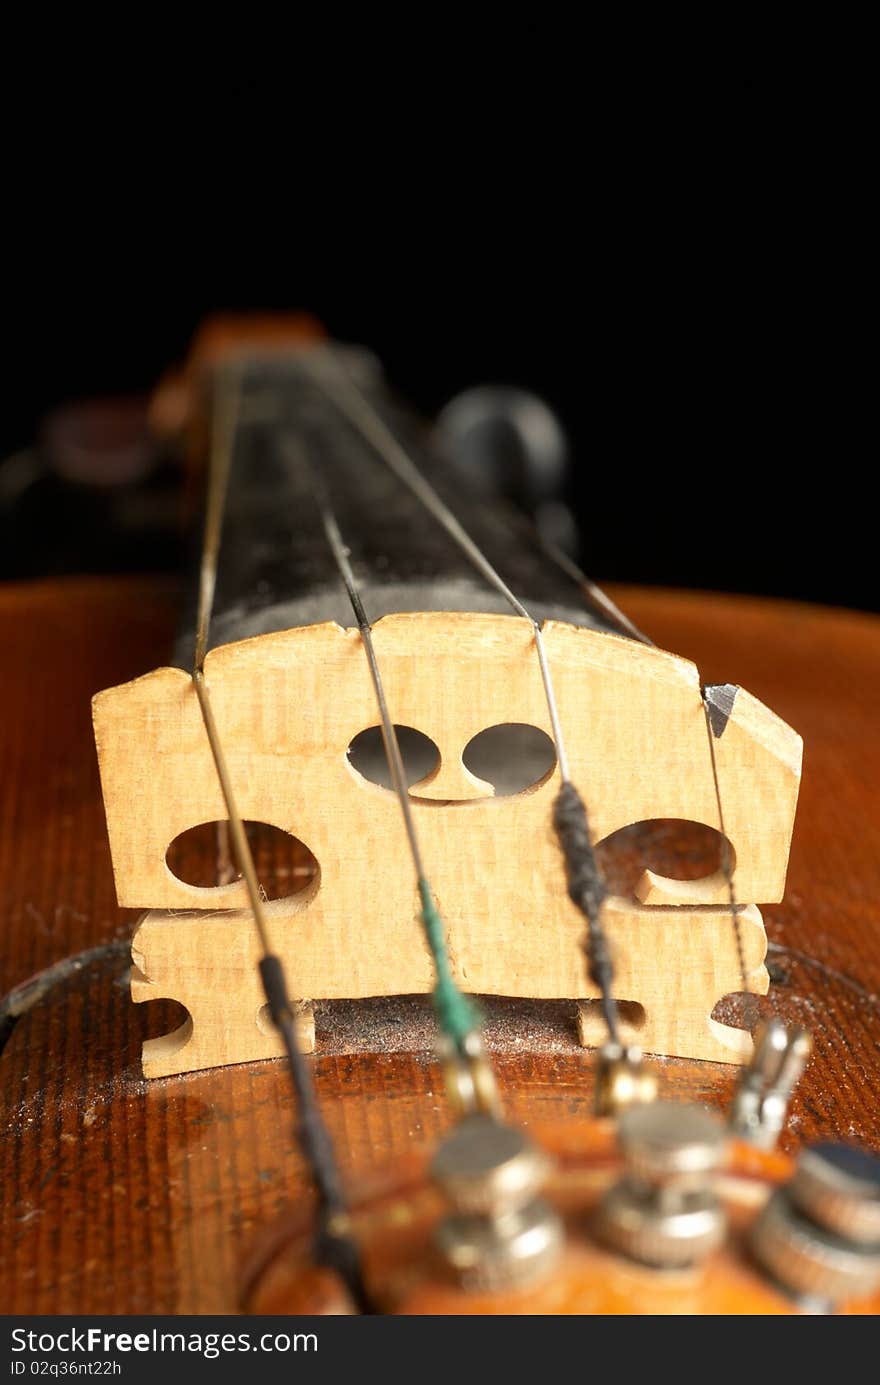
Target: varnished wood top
(118, 1196)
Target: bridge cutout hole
(202, 856)
(366, 754)
(630, 1013)
(512, 756)
(675, 848)
(266, 1025)
(165, 1012)
(742, 1010)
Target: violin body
(126, 1195)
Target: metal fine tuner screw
(665, 1212)
(819, 1236)
(501, 1233)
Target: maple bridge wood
(126, 1196)
(288, 706)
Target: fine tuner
(662, 1208)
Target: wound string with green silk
(457, 1016)
(586, 887)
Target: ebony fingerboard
(276, 570)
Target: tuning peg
(510, 443)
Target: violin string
(586, 888)
(457, 1016)
(601, 600)
(593, 593)
(726, 856)
(335, 1245)
(354, 405)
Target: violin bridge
(289, 706)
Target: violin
(432, 932)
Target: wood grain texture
(638, 749)
(120, 1195)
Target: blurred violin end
(671, 1264)
(220, 339)
(225, 335)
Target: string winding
(585, 886)
(726, 859)
(587, 890)
(457, 1016)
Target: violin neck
(275, 570)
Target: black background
(677, 267)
